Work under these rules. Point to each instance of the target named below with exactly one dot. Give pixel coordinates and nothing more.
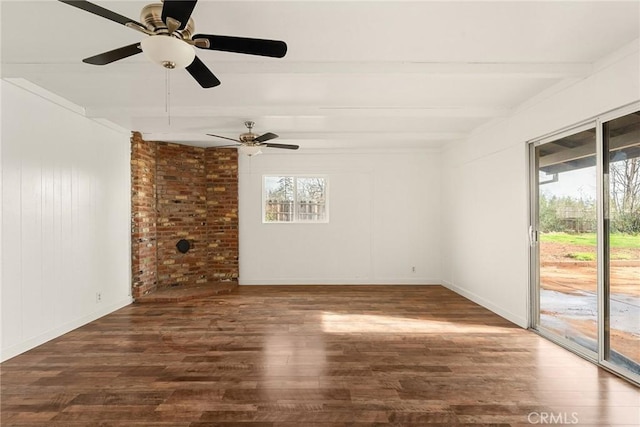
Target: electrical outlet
(98, 297)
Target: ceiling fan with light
(250, 144)
(171, 39)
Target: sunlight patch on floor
(338, 323)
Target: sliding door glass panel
(621, 138)
(567, 225)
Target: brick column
(143, 216)
(222, 212)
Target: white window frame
(295, 202)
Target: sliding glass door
(567, 239)
(585, 240)
(621, 142)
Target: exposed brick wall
(222, 212)
(143, 216)
(194, 197)
(181, 198)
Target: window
(295, 199)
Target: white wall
(384, 220)
(485, 252)
(65, 220)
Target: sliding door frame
(534, 241)
(602, 233)
(603, 236)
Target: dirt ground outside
(564, 274)
(569, 286)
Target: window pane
(622, 324)
(567, 249)
(311, 198)
(279, 200)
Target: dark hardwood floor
(306, 356)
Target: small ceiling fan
(250, 143)
(171, 30)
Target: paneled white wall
(485, 193)
(384, 220)
(65, 220)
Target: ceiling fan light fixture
(168, 51)
(250, 150)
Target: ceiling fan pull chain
(167, 98)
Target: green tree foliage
(578, 215)
(624, 178)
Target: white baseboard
(16, 349)
(511, 317)
(337, 282)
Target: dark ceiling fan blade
(180, 10)
(114, 55)
(202, 74)
(286, 146)
(101, 11)
(224, 137)
(262, 47)
(266, 137)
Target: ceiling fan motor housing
(151, 17)
(248, 138)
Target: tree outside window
(295, 199)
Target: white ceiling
(356, 74)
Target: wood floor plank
(308, 356)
